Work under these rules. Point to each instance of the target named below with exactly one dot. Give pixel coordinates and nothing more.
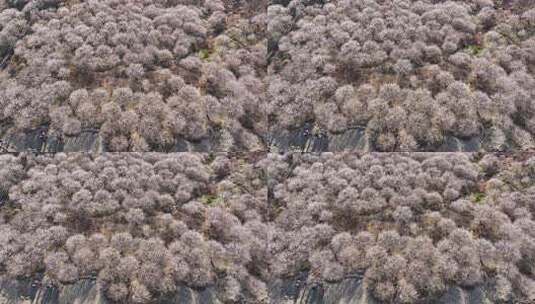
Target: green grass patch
(211, 157)
(204, 54)
(478, 197)
(475, 50)
(207, 53)
(211, 200)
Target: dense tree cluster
(410, 71)
(11, 171)
(144, 224)
(144, 73)
(413, 223)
